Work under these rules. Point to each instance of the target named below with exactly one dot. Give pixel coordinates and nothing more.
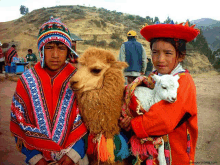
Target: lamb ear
(177, 77)
(156, 77)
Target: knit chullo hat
(53, 30)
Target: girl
(177, 120)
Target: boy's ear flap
(119, 64)
(156, 77)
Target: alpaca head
(99, 87)
(166, 87)
(93, 65)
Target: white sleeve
(35, 159)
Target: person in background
(45, 119)
(134, 54)
(11, 52)
(149, 68)
(177, 121)
(31, 58)
(2, 59)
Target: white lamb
(165, 89)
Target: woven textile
(53, 30)
(9, 55)
(44, 112)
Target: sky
(177, 10)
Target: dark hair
(13, 46)
(30, 50)
(178, 44)
(130, 37)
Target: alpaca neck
(101, 108)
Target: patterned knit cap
(53, 30)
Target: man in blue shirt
(134, 54)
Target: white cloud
(9, 13)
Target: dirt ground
(208, 101)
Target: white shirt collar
(178, 69)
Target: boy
(45, 119)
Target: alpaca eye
(95, 71)
(164, 87)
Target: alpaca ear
(119, 64)
(156, 77)
(81, 60)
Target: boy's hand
(65, 160)
(125, 123)
(42, 162)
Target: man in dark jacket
(134, 54)
(149, 67)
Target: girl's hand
(65, 160)
(125, 123)
(42, 162)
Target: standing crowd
(45, 118)
(10, 56)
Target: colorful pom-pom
(103, 153)
(110, 148)
(124, 151)
(91, 145)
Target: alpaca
(99, 87)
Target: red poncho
(44, 112)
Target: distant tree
(202, 46)
(168, 20)
(131, 17)
(140, 19)
(156, 19)
(189, 22)
(217, 59)
(149, 20)
(23, 10)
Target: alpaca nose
(73, 83)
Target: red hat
(178, 31)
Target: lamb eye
(164, 87)
(96, 71)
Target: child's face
(55, 55)
(164, 57)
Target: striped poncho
(44, 113)
(9, 55)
